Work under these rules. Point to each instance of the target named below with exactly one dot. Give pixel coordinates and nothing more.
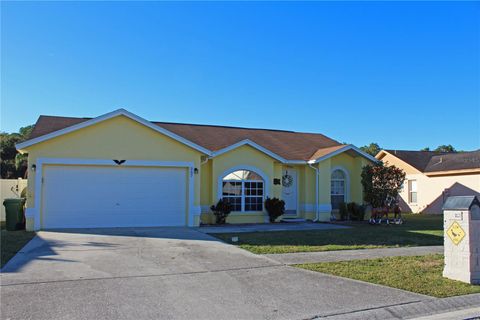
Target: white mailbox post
(461, 223)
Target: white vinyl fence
(10, 188)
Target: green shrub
(356, 211)
(343, 211)
(221, 211)
(361, 211)
(275, 208)
(351, 209)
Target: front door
(289, 190)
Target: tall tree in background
(13, 164)
(372, 149)
(445, 148)
(442, 148)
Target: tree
(425, 149)
(445, 148)
(372, 149)
(381, 182)
(12, 163)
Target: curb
(413, 310)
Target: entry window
(337, 187)
(244, 190)
(412, 191)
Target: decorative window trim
(346, 195)
(243, 167)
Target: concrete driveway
(170, 273)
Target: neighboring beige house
(432, 177)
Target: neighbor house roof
(287, 145)
(431, 161)
(454, 161)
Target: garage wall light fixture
(195, 171)
(34, 167)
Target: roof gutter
(451, 172)
(317, 175)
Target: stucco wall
(354, 167)
(430, 190)
(394, 161)
(116, 138)
(430, 194)
(242, 157)
(123, 138)
(206, 198)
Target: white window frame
(234, 196)
(243, 195)
(410, 191)
(266, 184)
(344, 187)
(346, 183)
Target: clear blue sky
(405, 75)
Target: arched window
(337, 185)
(243, 189)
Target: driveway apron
(170, 273)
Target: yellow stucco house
(120, 170)
(432, 177)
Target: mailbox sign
(455, 233)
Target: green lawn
(421, 274)
(419, 230)
(11, 242)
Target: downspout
(316, 190)
(202, 162)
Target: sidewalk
(345, 255)
(461, 307)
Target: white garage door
(89, 197)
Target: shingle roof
(287, 144)
(431, 161)
(325, 151)
(454, 161)
(417, 159)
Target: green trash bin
(14, 214)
